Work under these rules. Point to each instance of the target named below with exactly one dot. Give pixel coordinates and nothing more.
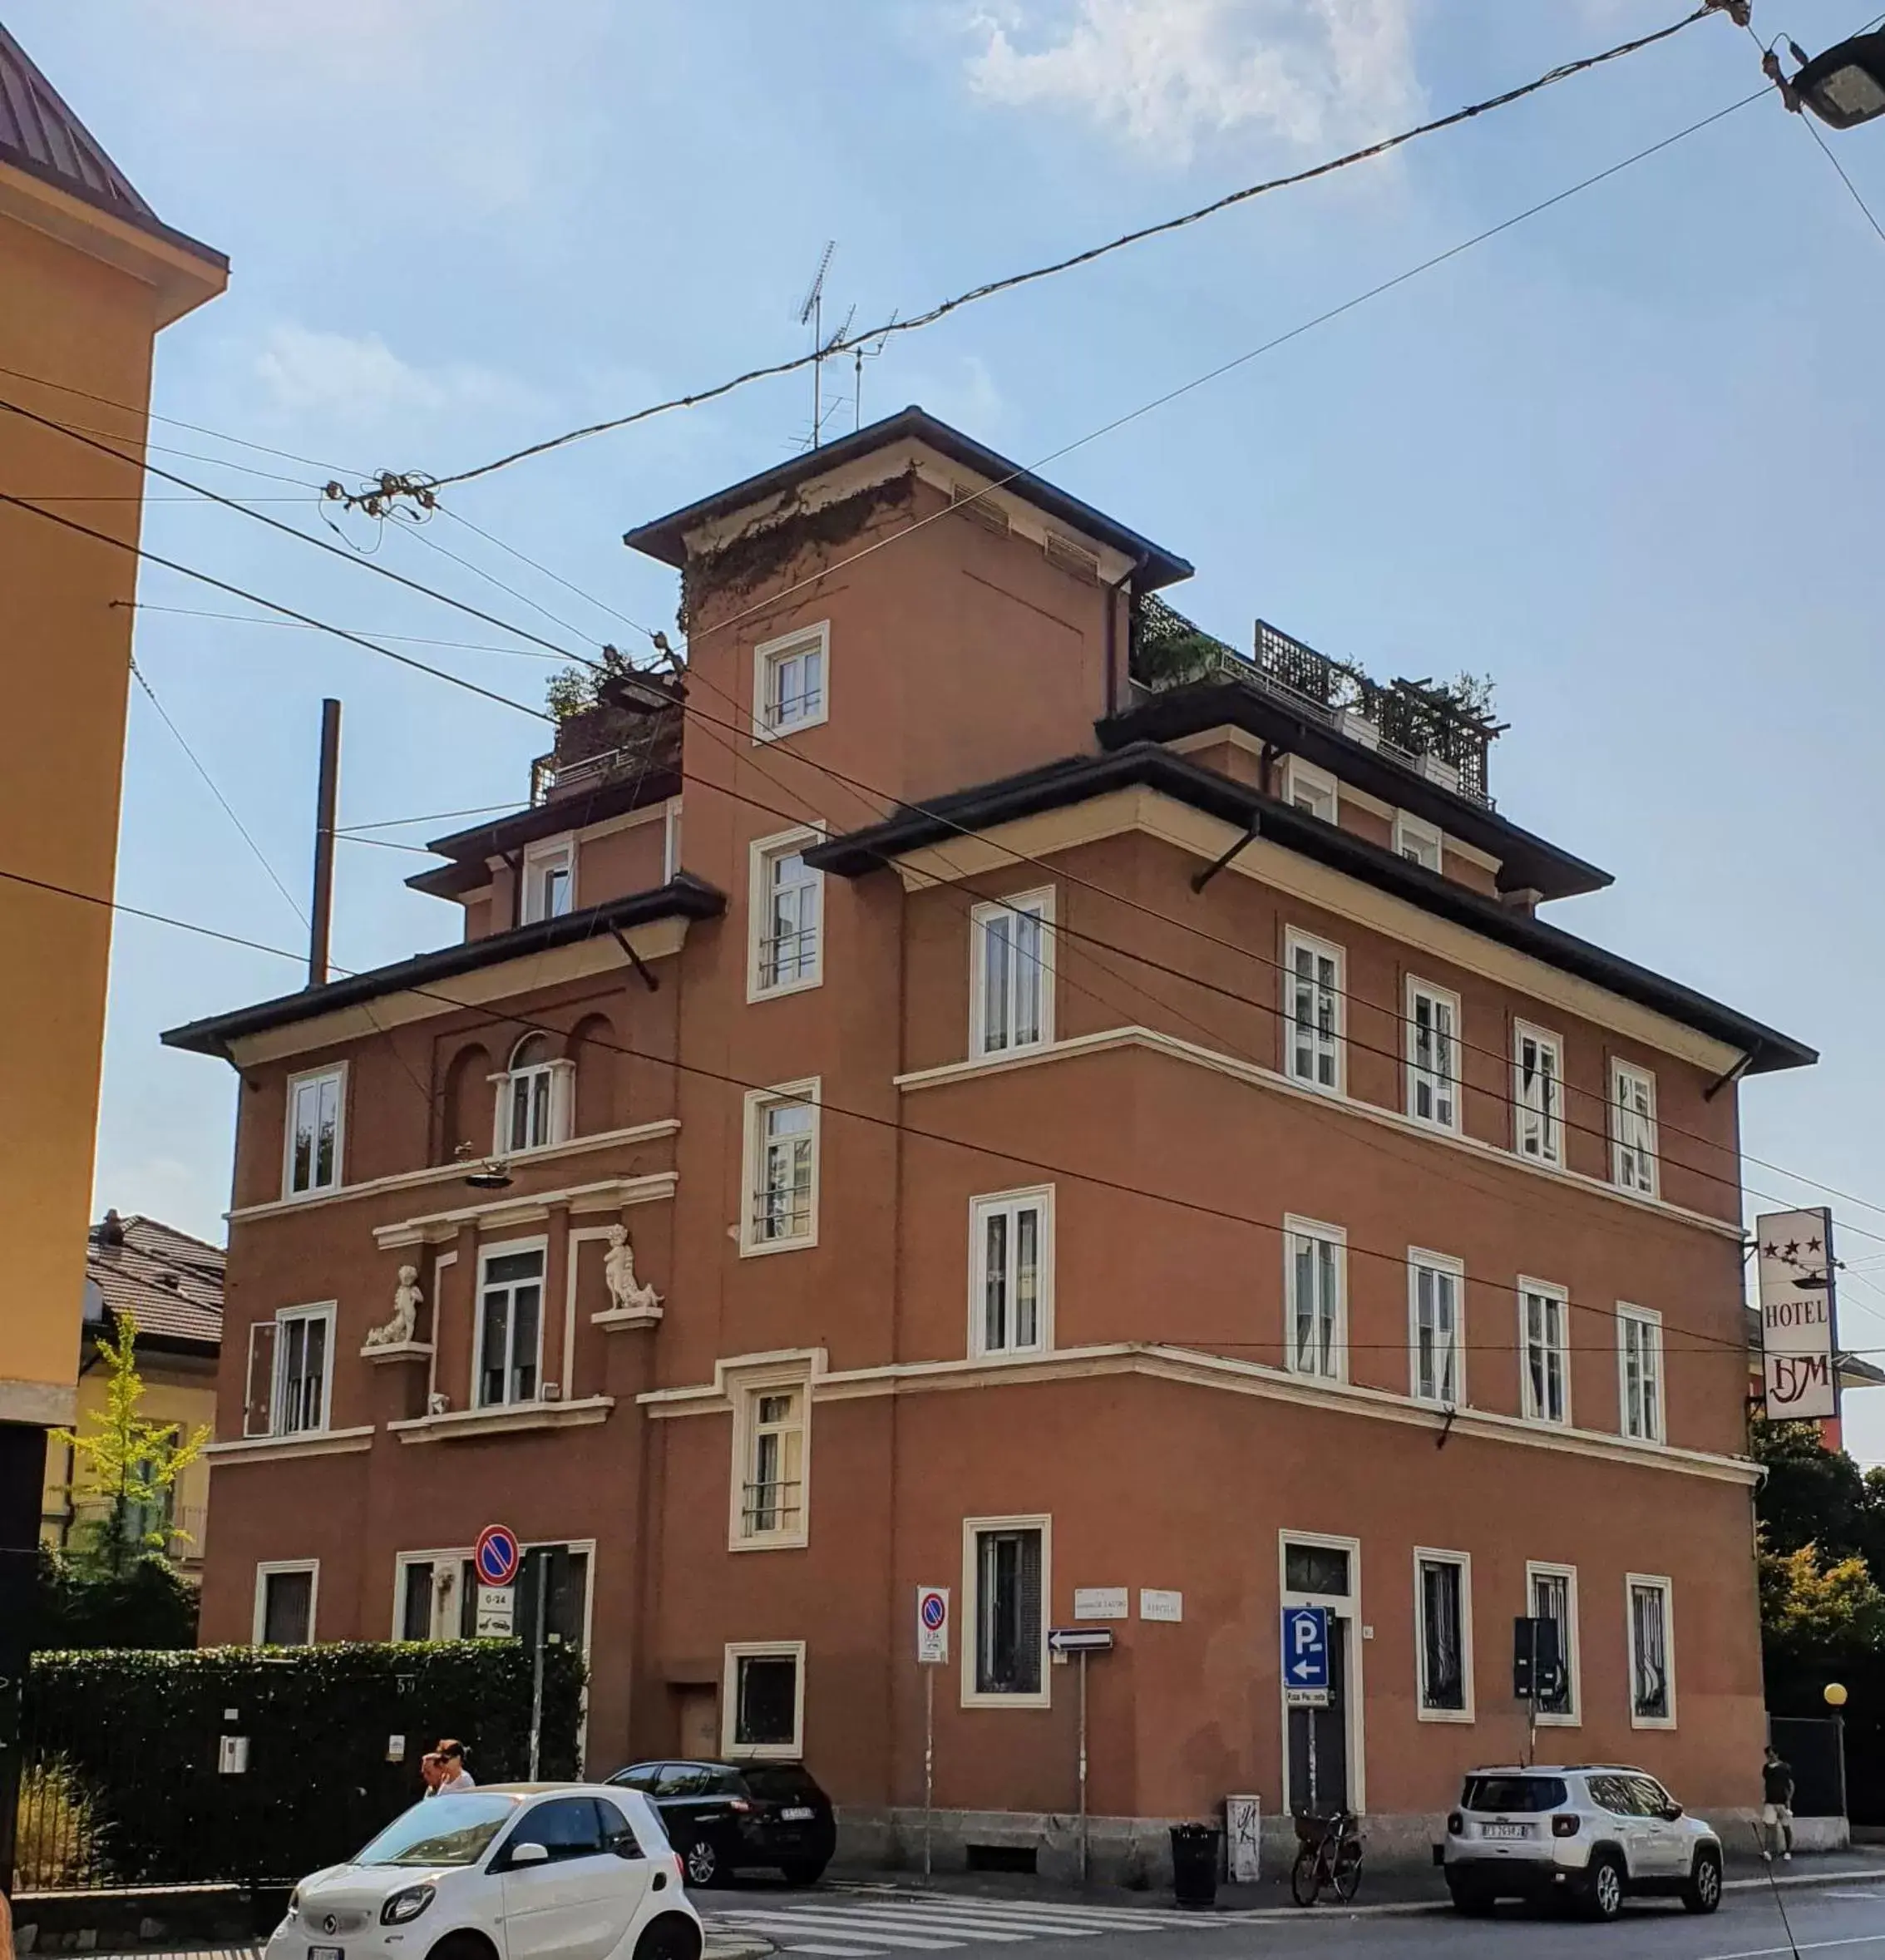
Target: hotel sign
(1799, 1321)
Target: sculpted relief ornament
(626, 1293)
(403, 1329)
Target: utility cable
(150, 557)
(464, 646)
(1000, 1153)
(774, 599)
(841, 344)
(346, 556)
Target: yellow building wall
(86, 319)
(187, 1400)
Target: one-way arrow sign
(1305, 1655)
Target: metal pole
(1315, 1805)
(928, 1762)
(1082, 1765)
(1840, 1729)
(537, 1663)
(325, 798)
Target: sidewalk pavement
(1399, 1886)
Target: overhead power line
(1196, 1206)
(392, 483)
(189, 571)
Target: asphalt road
(1836, 1921)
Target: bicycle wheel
(1305, 1876)
(1348, 1872)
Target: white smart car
(514, 1872)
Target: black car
(724, 1818)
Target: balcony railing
(1413, 723)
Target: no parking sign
(932, 1624)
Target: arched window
(533, 1098)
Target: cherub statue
(626, 1294)
(407, 1300)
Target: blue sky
(1623, 458)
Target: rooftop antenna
(813, 314)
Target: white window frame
(1349, 1608)
(972, 1531)
(760, 1650)
(561, 1073)
(1634, 1160)
(271, 1567)
(1546, 1289)
(1336, 1040)
(1313, 791)
(1630, 1414)
(1040, 905)
(326, 1310)
(1524, 1117)
(403, 1563)
(1038, 1198)
(748, 1388)
(505, 1249)
(757, 1102)
(1336, 1237)
(762, 855)
(338, 1072)
(1652, 1581)
(1418, 1260)
(671, 842)
(767, 655)
(1447, 1090)
(1422, 841)
(1573, 1659)
(1461, 1562)
(545, 856)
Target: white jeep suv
(1590, 1834)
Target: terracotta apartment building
(1098, 1122)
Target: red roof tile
(172, 1283)
(38, 130)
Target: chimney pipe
(326, 800)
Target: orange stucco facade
(1158, 1432)
(87, 279)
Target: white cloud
(359, 378)
(1166, 73)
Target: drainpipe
(1113, 595)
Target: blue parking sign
(1305, 1652)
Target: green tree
(1812, 1609)
(126, 1466)
(1813, 1495)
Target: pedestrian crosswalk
(905, 1926)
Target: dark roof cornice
(1077, 779)
(1526, 860)
(684, 896)
(665, 538)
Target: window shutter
(258, 1410)
(1027, 1601)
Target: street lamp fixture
(1835, 1694)
(1844, 87)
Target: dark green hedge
(149, 1604)
(139, 1732)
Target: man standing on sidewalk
(1777, 1805)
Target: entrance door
(1326, 1571)
(698, 1707)
(1320, 1784)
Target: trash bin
(1194, 1851)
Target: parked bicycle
(1330, 1856)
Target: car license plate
(326, 1954)
(1492, 1830)
(797, 1814)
